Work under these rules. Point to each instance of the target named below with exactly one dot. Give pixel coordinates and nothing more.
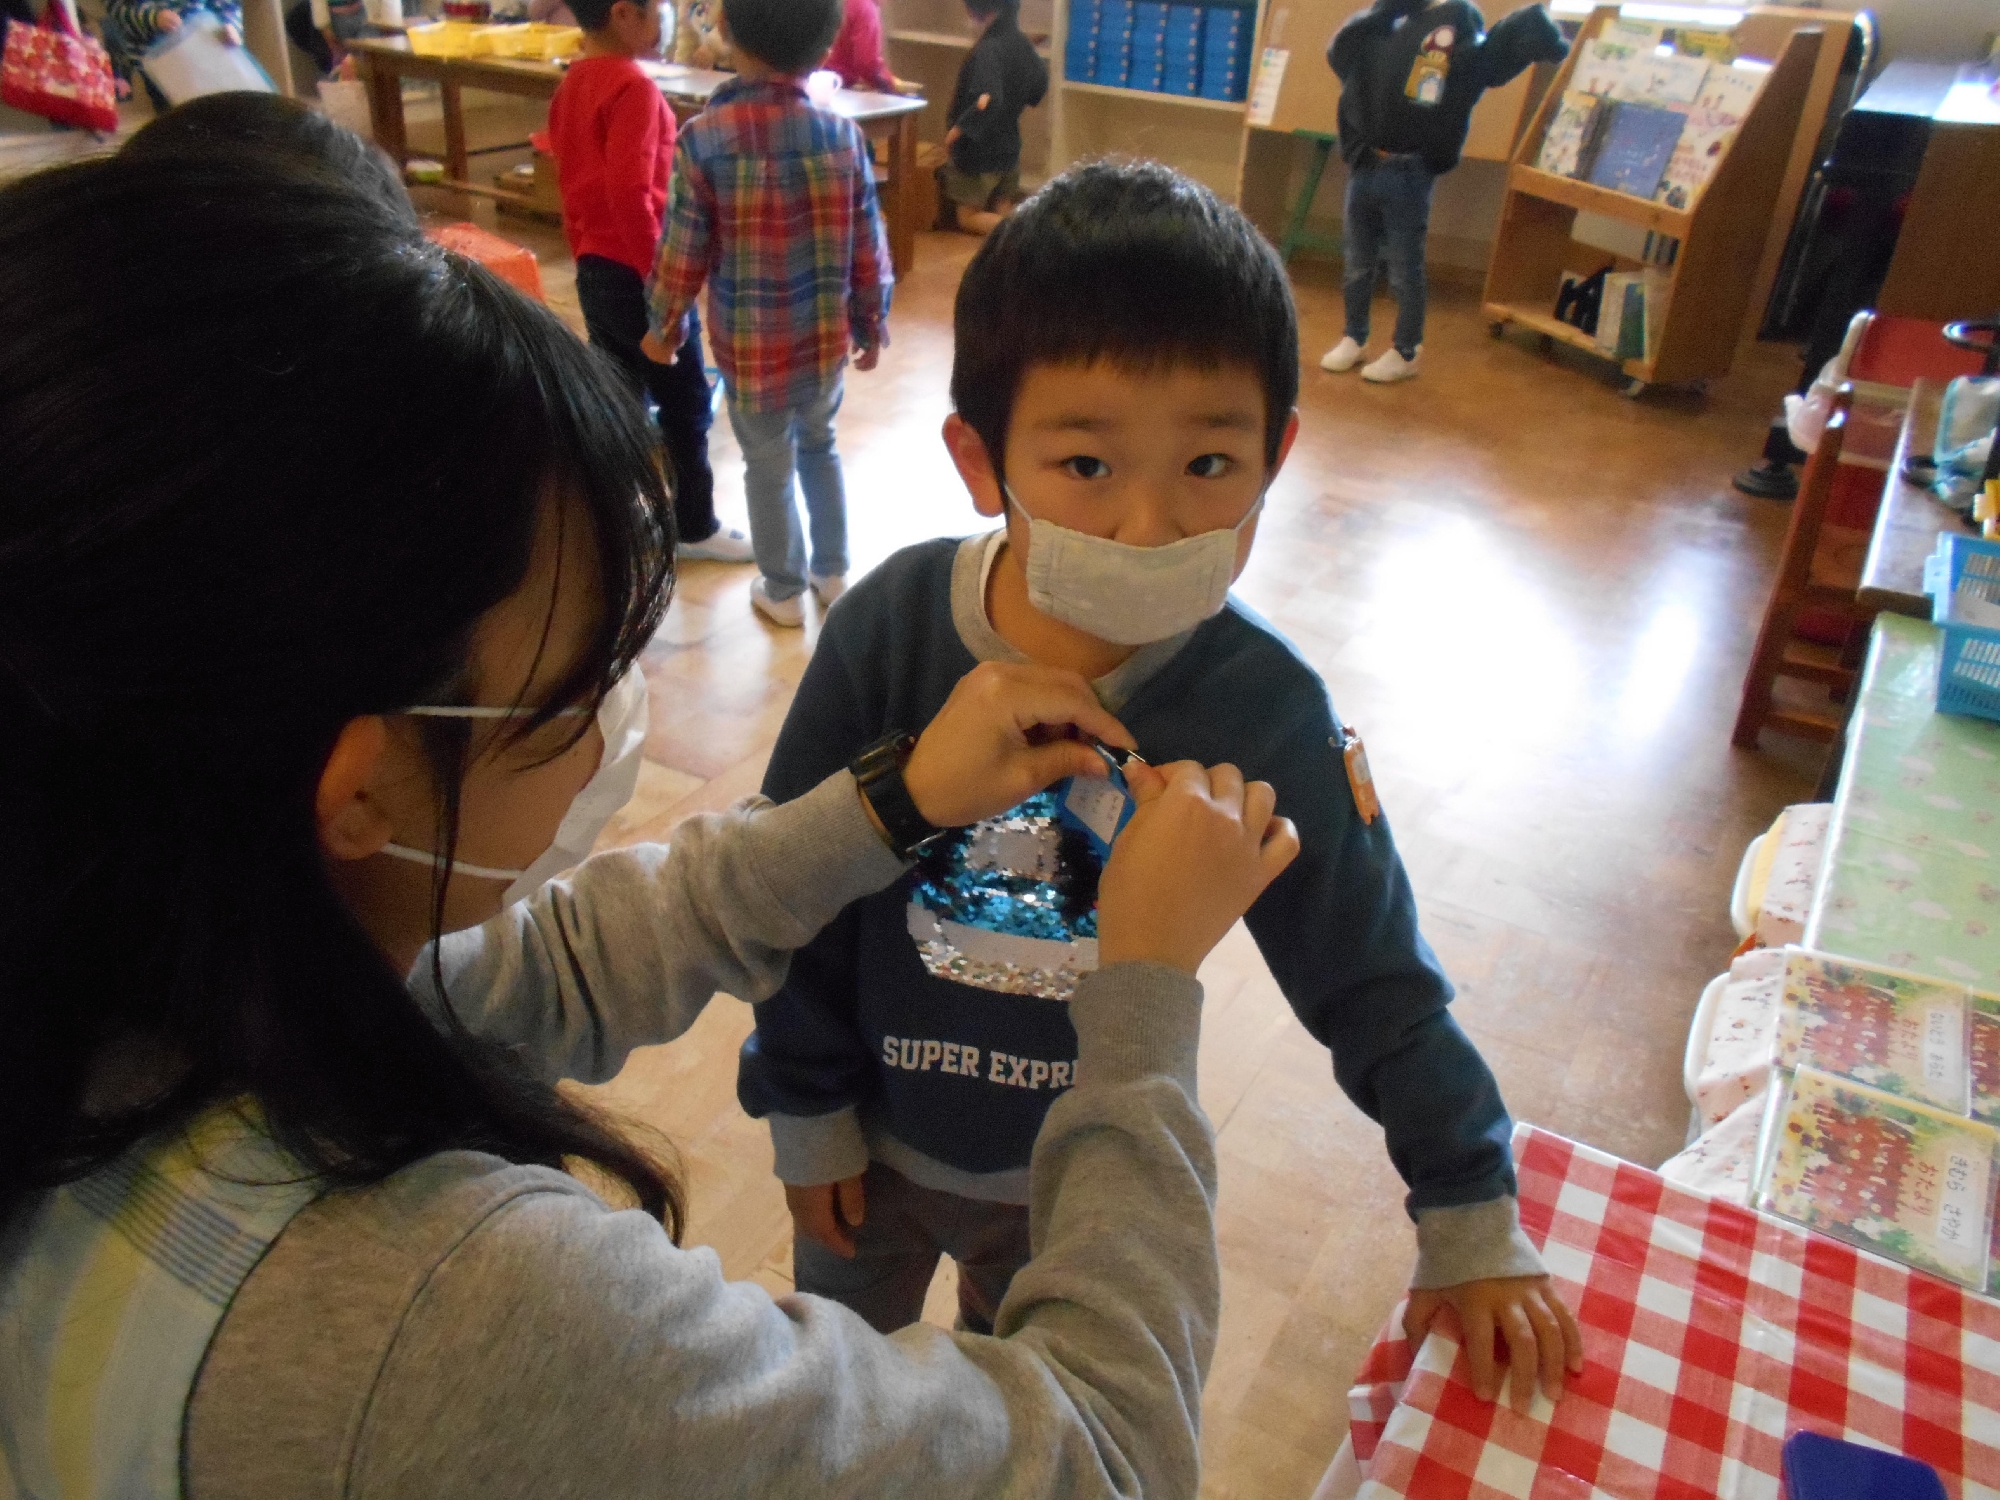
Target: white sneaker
(1390, 366)
(727, 545)
(790, 613)
(828, 588)
(1342, 357)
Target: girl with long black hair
(300, 681)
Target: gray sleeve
(576, 1351)
(1471, 1242)
(627, 948)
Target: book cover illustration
(1566, 143)
(1604, 60)
(1984, 1057)
(1729, 91)
(1704, 140)
(1882, 1173)
(1665, 81)
(1891, 1031)
(1637, 143)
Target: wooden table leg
(903, 195)
(385, 107)
(457, 161)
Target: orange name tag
(1359, 781)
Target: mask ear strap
(458, 866)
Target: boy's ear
(975, 466)
(1285, 443)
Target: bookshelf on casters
(1683, 140)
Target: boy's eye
(1211, 466)
(1083, 466)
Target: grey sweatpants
(904, 1230)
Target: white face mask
(1129, 595)
(621, 718)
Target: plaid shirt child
(773, 204)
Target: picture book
(1704, 140)
(1716, 46)
(1636, 144)
(1729, 91)
(1566, 144)
(1599, 67)
(1665, 81)
(1892, 1031)
(1882, 1173)
(1983, 1047)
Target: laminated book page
(1883, 1173)
(1892, 1031)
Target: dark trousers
(905, 1229)
(1388, 214)
(613, 297)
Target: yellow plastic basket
(537, 39)
(447, 39)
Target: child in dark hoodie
(1410, 73)
(1002, 75)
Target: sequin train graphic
(1009, 904)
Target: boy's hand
(167, 20)
(1200, 849)
(826, 1213)
(867, 357)
(1006, 732)
(1526, 1311)
(658, 350)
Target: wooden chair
(1781, 650)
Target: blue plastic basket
(1966, 570)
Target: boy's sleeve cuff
(816, 1149)
(1473, 1242)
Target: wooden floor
(1536, 600)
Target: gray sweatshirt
(471, 1327)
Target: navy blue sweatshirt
(935, 1010)
(1410, 73)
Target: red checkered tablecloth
(1710, 1335)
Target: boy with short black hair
(774, 208)
(1125, 371)
(613, 139)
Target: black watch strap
(879, 771)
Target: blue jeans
(1388, 211)
(775, 445)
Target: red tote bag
(51, 71)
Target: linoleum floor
(1535, 599)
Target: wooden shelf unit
(1708, 289)
(1152, 96)
(926, 41)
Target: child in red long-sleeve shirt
(613, 138)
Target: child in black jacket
(1002, 75)
(1410, 74)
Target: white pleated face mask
(621, 718)
(1129, 595)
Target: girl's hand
(1196, 855)
(1006, 732)
(231, 37)
(1526, 1311)
(167, 20)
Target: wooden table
(384, 62)
(1911, 519)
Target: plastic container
(447, 39)
(537, 40)
(1963, 580)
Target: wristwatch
(879, 772)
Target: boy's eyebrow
(1232, 418)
